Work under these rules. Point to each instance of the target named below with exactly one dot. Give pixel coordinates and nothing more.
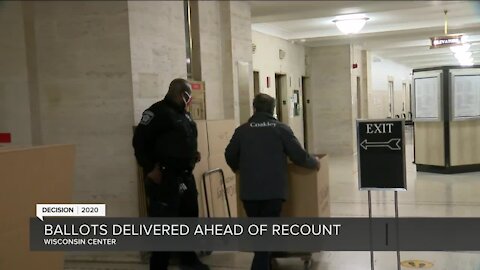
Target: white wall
(82, 72)
(14, 91)
(95, 66)
(241, 46)
(85, 96)
(359, 98)
(65, 77)
(267, 62)
(212, 48)
(225, 39)
(330, 92)
(381, 71)
(359, 92)
(157, 42)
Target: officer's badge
(147, 116)
(182, 188)
(188, 117)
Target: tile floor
(428, 195)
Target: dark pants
(166, 200)
(267, 208)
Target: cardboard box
(31, 175)
(219, 134)
(202, 166)
(308, 192)
(240, 210)
(216, 193)
(197, 106)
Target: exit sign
(381, 154)
(197, 85)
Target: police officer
(165, 143)
(258, 150)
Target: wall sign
(196, 86)
(446, 41)
(381, 154)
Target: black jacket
(167, 136)
(258, 150)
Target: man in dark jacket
(259, 150)
(165, 143)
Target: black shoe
(197, 265)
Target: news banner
(82, 227)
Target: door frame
(281, 94)
(256, 82)
(306, 112)
(391, 92)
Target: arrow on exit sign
(393, 144)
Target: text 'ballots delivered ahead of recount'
(75, 232)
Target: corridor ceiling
(397, 30)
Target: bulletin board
(427, 96)
(465, 94)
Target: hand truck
(205, 174)
(204, 181)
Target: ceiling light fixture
(468, 62)
(463, 55)
(350, 24)
(464, 58)
(460, 48)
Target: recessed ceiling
(398, 30)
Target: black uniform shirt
(167, 136)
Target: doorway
(307, 112)
(391, 100)
(406, 100)
(409, 114)
(359, 98)
(256, 83)
(280, 95)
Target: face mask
(187, 98)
